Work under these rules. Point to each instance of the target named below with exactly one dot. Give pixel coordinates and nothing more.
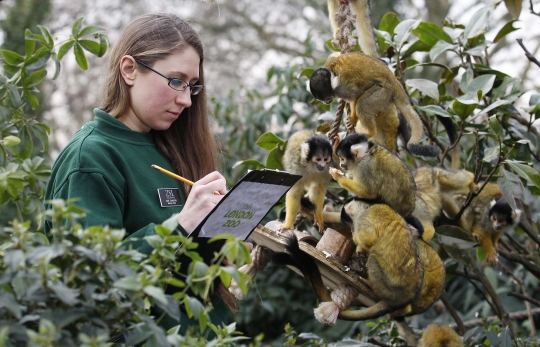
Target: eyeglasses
(176, 83)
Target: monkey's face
(343, 163)
(320, 85)
(321, 162)
(499, 221)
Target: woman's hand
(201, 200)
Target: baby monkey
(310, 156)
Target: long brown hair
(188, 144)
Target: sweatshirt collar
(112, 126)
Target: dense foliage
(84, 286)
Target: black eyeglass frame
(194, 89)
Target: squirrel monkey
(488, 217)
(375, 174)
(440, 335)
(435, 189)
(395, 271)
(310, 156)
(364, 27)
(373, 93)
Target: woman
(154, 112)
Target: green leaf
(509, 184)
(38, 38)
(491, 153)
(35, 78)
(477, 24)
(306, 72)
(91, 30)
(274, 160)
(76, 27)
(29, 44)
(495, 126)
(41, 132)
(11, 57)
(439, 48)
(103, 45)
(463, 110)
(489, 108)
(524, 171)
(431, 33)
(403, 31)
(483, 83)
(56, 65)
(34, 101)
(434, 110)
(64, 293)
(26, 145)
(418, 46)
(514, 7)
(91, 46)
(193, 307)
(14, 94)
(65, 48)
(47, 35)
(452, 235)
(505, 30)
(129, 283)
(269, 141)
(389, 22)
(80, 57)
(156, 293)
(427, 87)
(39, 59)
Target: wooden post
(336, 246)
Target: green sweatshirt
(108, 167)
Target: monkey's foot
(283, 228)
(491, 259)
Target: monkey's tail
(451, 131)
(415, 123)
(294, 256)
(364, 27)
(379, 309)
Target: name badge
(169, 197)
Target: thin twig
(524, 297)
(527, 264)
(529, 56)
(514, 315)
(453, 313)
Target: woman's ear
(128, 69)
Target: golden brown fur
(433, 281)
(373, 93)
(375, 174)
(435, 189)
(440, 335)
(477, 220)
(310, 156)
(394, 267)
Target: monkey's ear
(492, 203)
(359, 151)
(304, 150)
(334, 81)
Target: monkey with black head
(375, 173)
(488, 217)
(309, 155)
(374, 94)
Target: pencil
(178, 177)
(173, 175)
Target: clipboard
(244, 206)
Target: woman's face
(153, 104)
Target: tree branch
(524, 297)
(527, 54)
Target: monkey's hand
(335, 173)
(283, 228)
(318, 221)
(491, 258)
